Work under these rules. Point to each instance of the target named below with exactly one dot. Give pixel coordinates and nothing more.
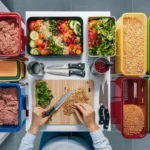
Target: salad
(55, 37)
(101, 36)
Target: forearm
(27, 142)
(100, 142)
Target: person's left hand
(38, 120)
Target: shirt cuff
(97, 135)
(29, 138)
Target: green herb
(106, 34)
(53, 26)
(43, 94)
(54, 47)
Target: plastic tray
(21, 36)
(95, 18)
(119, 43)
(21, 111)
(125, 95)
(55, 18)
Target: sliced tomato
(40, 49)
(39, 42)
(40, 36)
(31, 25)
(37, 24)
(75, 49)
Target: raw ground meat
(9, 37)
(8, 106)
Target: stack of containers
(131, 61)
(12, 46)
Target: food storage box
(11, 30)
(102, 38)
(12, 70)
(148, 80)
(130, 106)
(21, 110)
(148, 51)
(131, 44)
(55, 36)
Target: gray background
(117, 8)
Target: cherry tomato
(44, 52)
(31, 25)
(39, 42)
(74, 49)
(37, 24)
(40, 49)
(78, 51)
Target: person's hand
(37, 120)
(86, 116)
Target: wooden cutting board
(59, 88)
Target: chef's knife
(80, 66)
(66, 72)
(59, 103)
(103, 111)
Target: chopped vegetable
(34, 35)
(43, 94)
(54, 36)
(101, 37)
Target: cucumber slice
(71, 24)
(34, 51)
(34, 35)
(77, 28)
(32, 44)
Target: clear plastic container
(131, 91)
(119, 44)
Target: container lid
(11, 71)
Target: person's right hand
(86, 116)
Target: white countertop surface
(65, 60)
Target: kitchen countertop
(65, 60)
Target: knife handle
(49, 111)
(80, 66)
(101, 114)
(78, 73)
(106, 113)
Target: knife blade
(66, 72)
(80, 66)
(58, 103)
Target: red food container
(129, 91)
(21, 37)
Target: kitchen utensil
(103, 111)
(100, 66)
(36, 68)
(80, 66)
(59, 103)
(66, 72)
(130, 91)
(59, 88)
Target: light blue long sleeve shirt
(100, 142)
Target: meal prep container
(96, 18)
(148, 51)
(14, 70)
(21, 110)
(148, 80)
(119, 43)
(21, 37)
(129, 91)
(55, 18)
